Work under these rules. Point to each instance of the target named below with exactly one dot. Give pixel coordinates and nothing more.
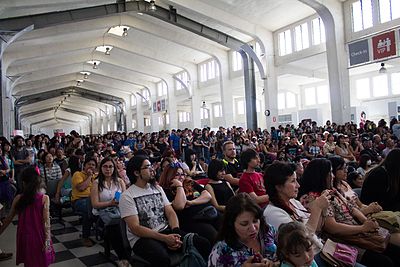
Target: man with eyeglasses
(152, 222)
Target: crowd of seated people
(182, 181)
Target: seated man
(152, 222)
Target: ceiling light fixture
(382, 70)
(125, 32)
(152, 6)
(78, 83)
(204, 105)
(95, 65)
(107, 51)
(85, 76)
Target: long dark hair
(188, 160)
(314, 176)
(277, 174)
(214, 167)
(31, 184)
(392, 167)
(235, 206)
(101, 178)
(337, 163)
(74, 164)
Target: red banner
(384, 45)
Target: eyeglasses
(149, 166)
(108, 166)
(180, 174)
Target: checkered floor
(67, 244)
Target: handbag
(375, 241)
(110, 215)
(208, 213)
(340, 255)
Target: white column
(226, 93)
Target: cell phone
(117, 196)
(257, 258)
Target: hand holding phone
(117, 196)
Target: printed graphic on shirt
(151, 211)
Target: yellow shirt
(78, 178)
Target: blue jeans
(83, 207)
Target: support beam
(46, 120)
(249, 91)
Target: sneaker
(123, 263)
(5, 256)
(87, 242)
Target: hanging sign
(359, 52)
(384, 45)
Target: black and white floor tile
(67, 245)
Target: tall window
(237, 62)
(318, 31)
(286, 100)
(161, 120)
(361, 15)
(240, 107)
(395, 83)
(209, 70)
(133, 124)
(167, 119)
(204, 113)
(281, 101)
(389, 10)
(183, 116)
(133, 100)
(147, 122)
(322, 94)
(362, 88)
(309, 96)
(217, 108)
(115, 126)
(380, 85)
(301, 37)
(183, 76)
(146, 95)
(285, 43)
(108, 127)
(161, 88)
(107, 111)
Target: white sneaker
(123, 263)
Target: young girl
(34, 247)
(294, 246)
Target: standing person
(32, 151)
(33, 231)
(252, 182)
(152, 224)
(104, 193)
(81, 185)
(7, 190)
(21, 159)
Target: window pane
(288, 42)
(384, 10)
(304, 35)
(297, 38)
(237, 63)
(282, 44)
(357, 16)
(323, 94)
(362, 88)
(309, 95)
(316, 31)
(395, 9)
(290, 100)
(167, 118)
(211, 70)
(281, 100)
(380, 85)
(396, 83)
(203, 72)
(217, 111)
(240, 107)
(133, 100)
(367, 13)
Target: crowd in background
(290, 173)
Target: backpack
(191, 257)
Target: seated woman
(364, 164)
(189, 200)
(339, 172)
(81, 185)
(105, 193)
(51, 174)
(382, 184)
(295, 246)
(219, 189)
(244, 236)
(343, 219)
(355, 180)
(282, 187)
(342, 149)
(191, 166)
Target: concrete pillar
(226, 93)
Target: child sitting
(294, 246)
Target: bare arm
(214, 201)
(171, 217)
(232, 180)
(259, 199)
(46, 221)
(203, 198)
(11, 215)
(333, 227)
